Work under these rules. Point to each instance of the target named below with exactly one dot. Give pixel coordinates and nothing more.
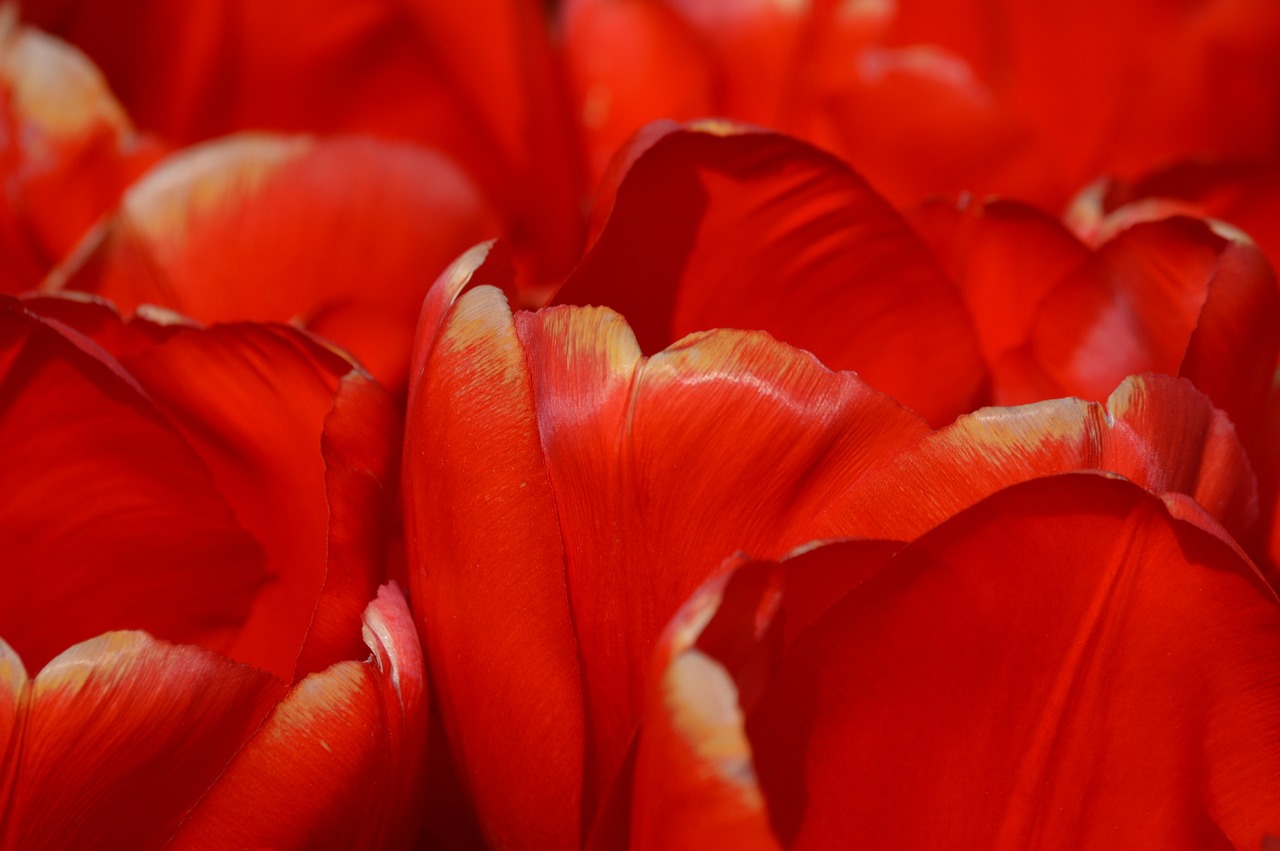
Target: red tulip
(575, 491)
(1067, 664)
(719, 226)
(476, 82)
(924, 97)
(221, 489)
(342, 236)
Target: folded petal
(718, 226)
(110, 519)
(119, 736)
(342, 236)
(1159, 432)
(1063, 666)
(338, 763)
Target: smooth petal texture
(1170, 296)
(1004, 256)
(342, 236)
(110, 519)
(1152, 83)
(255, 402)
(67, 152)
(719, 226)
(656, 469)
(482, 527)
(338, 763)
(1098, 673)
(631, 61)
(1157, 431)
(695, 780)
(479, 84)
(118, 735)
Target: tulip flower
(477, 83)
(715, 225)
(341, 236)
(927, 97)
(196, 650)
(1066, 664)
(577, 492)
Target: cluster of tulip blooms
(652, 424)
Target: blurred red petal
(1160, 432)
(67, 151)
(632, 61)
(724, 227)
(343, 236)
(479, 83)
(338, 763)
(1100, 674)
(111, 521)
(118, 735)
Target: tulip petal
(1170, 296)
(68, 150)
(119, 735)
(342, 236)
(479, 83)
(662, 467)
(1160, 432)
(338, 763)
(1099, 674)
(723, 227)
(1005, 257)
(258, 404)
(481, 526)
(110, 519)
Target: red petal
(120, 735)
(631, 62)
(68, 150)
(481, 525)
(478, 83)
(656, 467)
(1157, 431)
(342, 236)
(338, 763)
(1005, 257)
(1062, 666)
(110, 520)
(757, 231)
(1171, 297)
(255, 402)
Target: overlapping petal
(720, 226)
(585, 491)
(342, 236)
(1094, 667)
